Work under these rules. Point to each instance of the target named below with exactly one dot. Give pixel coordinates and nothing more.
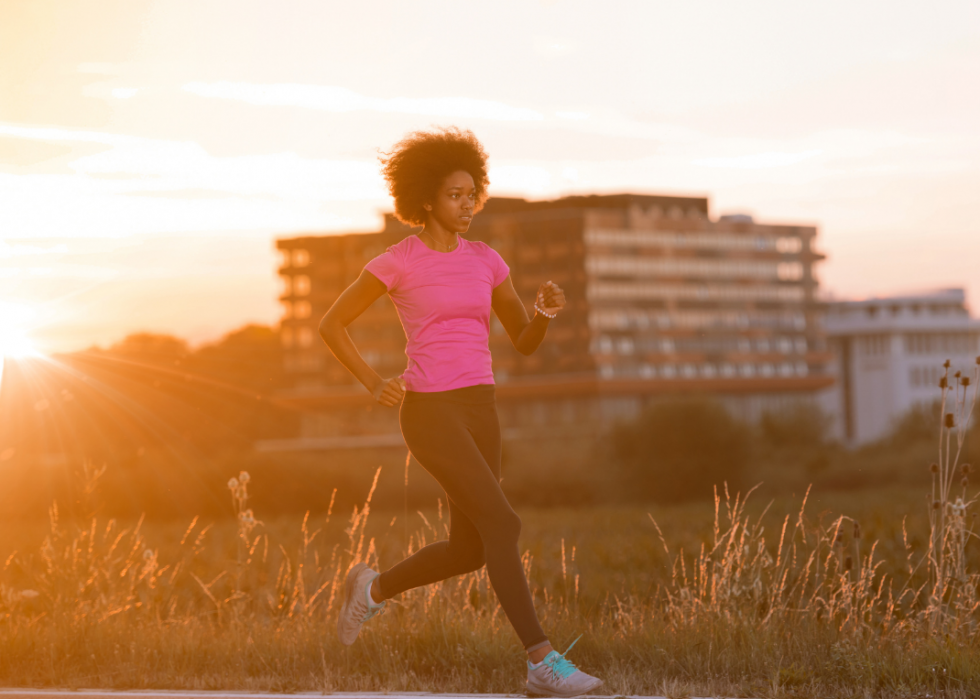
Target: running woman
(443, 287)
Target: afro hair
(419, 163)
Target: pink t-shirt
(443, 301)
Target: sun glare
(15, 341)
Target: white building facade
(889, 354)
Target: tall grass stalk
(807, 609)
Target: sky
(152, 151)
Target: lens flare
(15, 341)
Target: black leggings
(455, 435)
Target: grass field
(251, 605)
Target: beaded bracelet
(542, 311)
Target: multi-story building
(889, 354)
(660, 299)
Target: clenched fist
(550, 297)
(390, 391)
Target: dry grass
(763, 601)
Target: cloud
(520, 179)
(163, 181)
(552, 47)
(758, 160)
(99, 68)
(7, 250)
(340, 99)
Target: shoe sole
(348, 599)
(533, 692)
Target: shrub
(801, 425)
(678, 450)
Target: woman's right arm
(355, 299)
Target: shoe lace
(374, 611)
(560, 665)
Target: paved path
(162, 694)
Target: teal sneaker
(557, 676)
(358, 607)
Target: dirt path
(162, 694)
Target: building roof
(940, 310)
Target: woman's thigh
(460, 453)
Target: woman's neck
(444, 240)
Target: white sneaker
(357, 607)
(556, 676)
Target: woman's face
(452, 207)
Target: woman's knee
(468, 559)
(508, 526)
(474, 561)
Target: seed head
(848, 563)
(957, 374)
(946, 364)
(978, 361)
(966, 469)
(839, 541)
(232, 484)
(943, 383)
(964, 481)
(857, 530)
(934, 468)
(965, 381)
(243, 477)
(147, 554)
(950, 421)
(935, 504)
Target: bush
(802, 425)
(678, 450)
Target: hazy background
(150, 152)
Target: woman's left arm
(525, 334)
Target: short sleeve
(499, 267)
(386, 267)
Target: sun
(15, 341)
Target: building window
(301, 309)
(788, 246)
(790, 271)
(286, 337)
(301, 258)
(625, 345)
(304, 336)
(875, 345)
(301, 285)
(301, 362)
